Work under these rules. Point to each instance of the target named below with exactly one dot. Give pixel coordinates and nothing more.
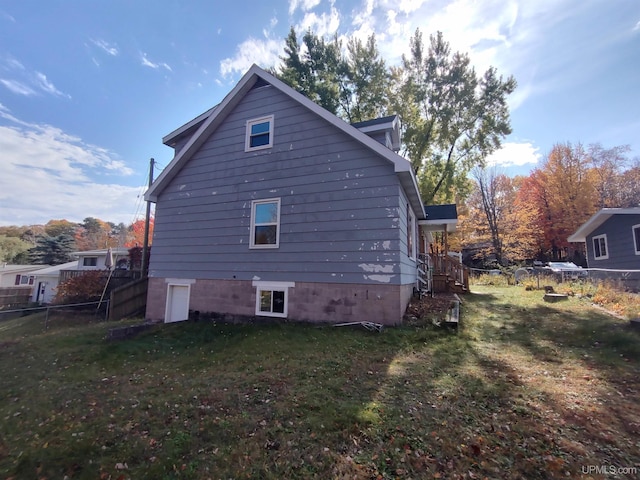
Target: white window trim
(252, 234)
(411, 223)
(606, 246)
(633, 238)
(262, 286)
(247, 138)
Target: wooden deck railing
(448, 267)
(128, 275)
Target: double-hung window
(259, 133)
(265, 223)
(636, 238)
(600, 251)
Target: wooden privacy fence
(14, 296)
(129, 299)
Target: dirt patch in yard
(429, 309)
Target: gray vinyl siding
(380, 137)
(341, 207)
(620, 244)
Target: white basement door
(177, 303)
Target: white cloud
(636, 27)
(47, 86)
(304, 5)
(148, 63)
(11, 63)
(17, 87)
(261, 52)
(6, 16)
(410, 6)
(515, 154)
(325, 24)
(27, 83)
(105, 46)
(48, 173)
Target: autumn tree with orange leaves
(532, 217)
(500, 222)
(564, 193)
(135, 236)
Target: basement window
(272, 298)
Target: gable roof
(598, 219)
(390, 124)
(14, 269)
(209, 121)
(188, 128)
(55, 269)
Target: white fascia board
(438, 225)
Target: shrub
(87, 287)
(612, 298)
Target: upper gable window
(265, 223)
(600, 247)
(636, 238)
(259, 133)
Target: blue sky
(89, 88)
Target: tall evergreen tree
(52, 250)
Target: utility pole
(145, 245)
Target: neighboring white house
(46, 281)
(17, 275)
(97, 259)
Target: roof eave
(170, 138)
(598, 219)
(439, 225)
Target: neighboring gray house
(274, 207)
(612, 238)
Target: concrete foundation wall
(307, 302)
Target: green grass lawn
(524, 389)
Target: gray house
(612, 238)
(274, 207)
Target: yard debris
(371, 326)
